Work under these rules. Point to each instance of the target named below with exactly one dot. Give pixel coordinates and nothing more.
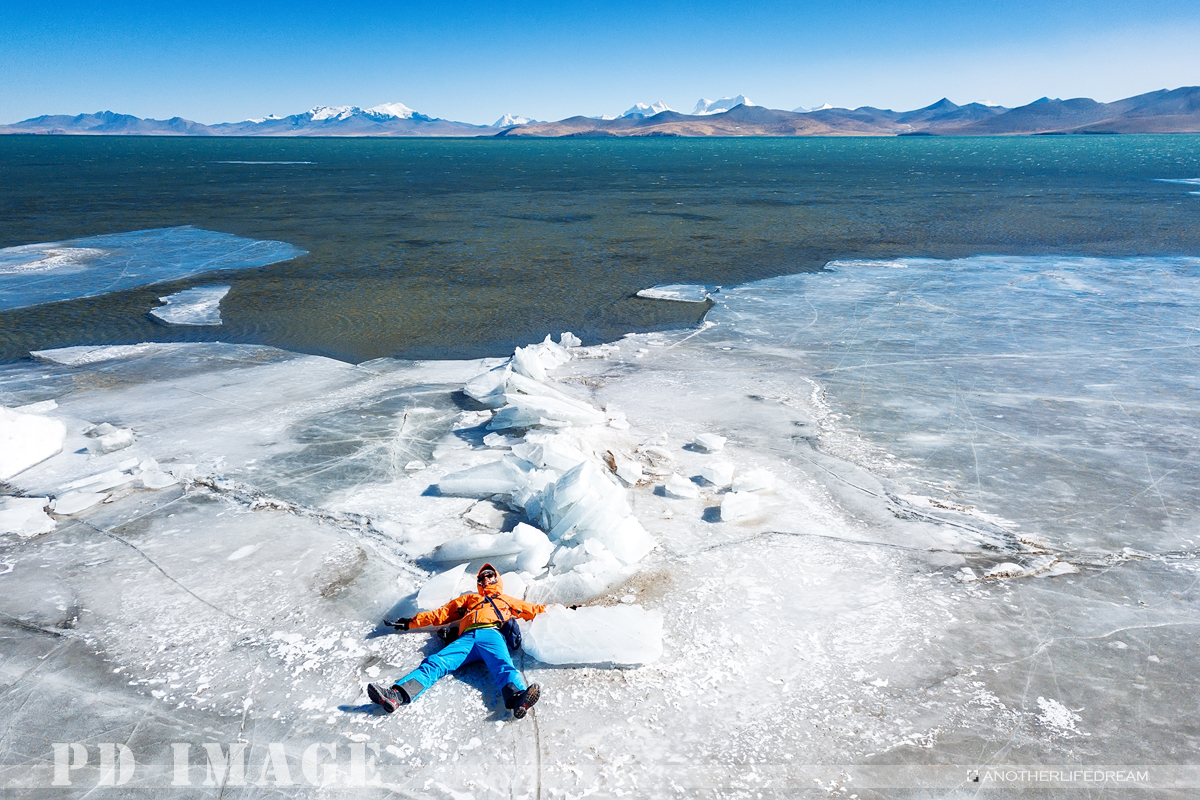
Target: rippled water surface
(452, 248)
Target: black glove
(573, 607)
(399, 624)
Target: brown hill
(1164, 111)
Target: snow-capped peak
(643, 110)
(706, 106)
(332, 112)
(397, 110)
(803, 110)
(385, 111)
(261, 120)
(512, 120)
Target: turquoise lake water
(453, 248)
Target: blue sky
(473, 61)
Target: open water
(453, 248)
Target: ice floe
(42, 273)
(680, 292)
(200, 305)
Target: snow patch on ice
(1057, 717)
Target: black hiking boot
(390, 698)
(521, 700)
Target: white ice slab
(718, 473)
(24, 516)
(26, 440)
(756, 480)
(74, 502)
(200, 305)
(738, 505)
(680, 487)
(680, 292)
(709, 442)
(441, 588)
(623, 635)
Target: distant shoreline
(1162, 111)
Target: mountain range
(1163, 111)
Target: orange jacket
(474, 611)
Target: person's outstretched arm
(439, 616)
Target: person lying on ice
(479, 618)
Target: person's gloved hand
(573, 607)
(400, 624)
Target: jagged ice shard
(973, 537)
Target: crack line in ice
(253, 500)
(31, 627)
(908, 508)
(163, 571)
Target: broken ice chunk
(718, 473)
(629, 471)
(152, 477)
(499, 440)
(111, 442)
(156, 479)
(526, 362)
(567, 558)
(74, 502)
(1005, 570)
(513, 585)
(754, 481)
(40, 407)
(25, 516)
(488, 387)
(200, 305)
(536, 548)
(627, 634)
(103, 481)
(1059, 568)
(478, 545)
(414, 466)
(183, 472)
(497, 477)
(738, 505)
(103, 429)
(527, 411)
(485, 514)
(586, 582)
(629, 541)
(523, 539)
(680, 487)
(709, 442)
(568, 339)
(26, 440)
(441, 588)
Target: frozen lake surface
(972, 542)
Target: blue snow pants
(486, 644)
